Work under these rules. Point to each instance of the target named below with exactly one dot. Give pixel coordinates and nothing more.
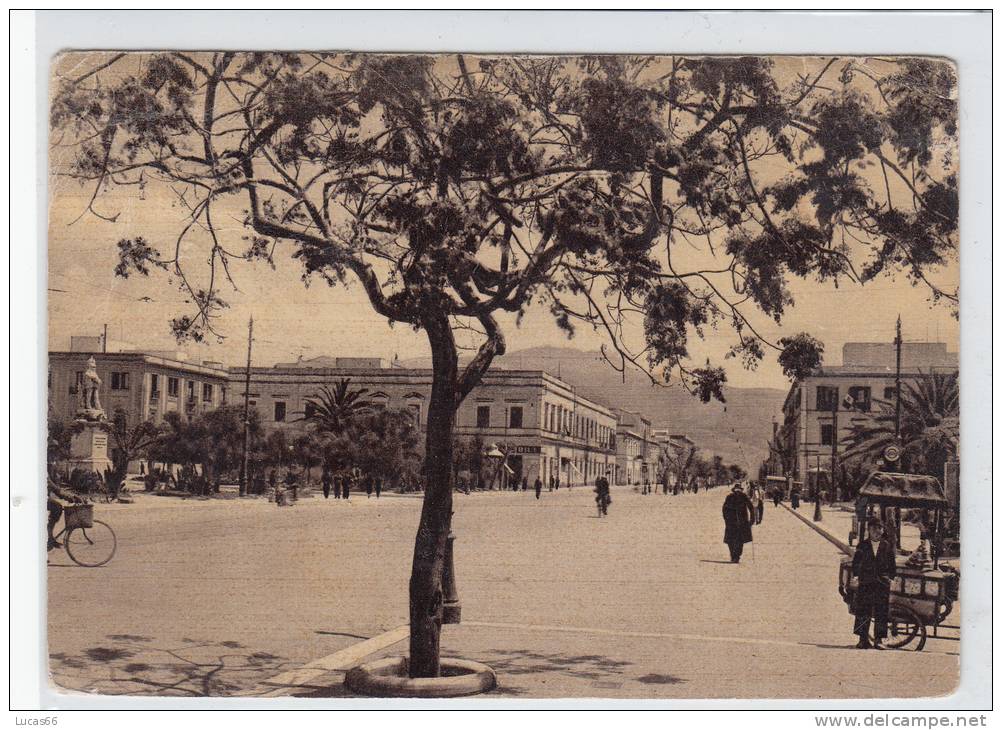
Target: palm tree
(131, 443)
(332, 409)
(930, 426)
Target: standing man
(325, 482)
(538, 485)
(873, 568)
(346, 486)
(739, 515)
(552, 482)
(795, 497)
(758, 499)
(379, 486)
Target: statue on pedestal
(90, 406)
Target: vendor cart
(923, 591)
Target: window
(889, 393)
(172, 387)
(827, 397)
(860, 395)
(77, 382)
(415, 410)
(207, 392)
(483, 416)
(515, 417)
(154, 387)
(189, 387)
(546, 415)
(826, 434)
(279, 410)
(119, 381)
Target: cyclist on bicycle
(57, 497)
(602, 492)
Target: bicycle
(602, 502)
(90, 543)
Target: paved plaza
(222, 597)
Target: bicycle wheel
(91, 546)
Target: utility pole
(245, 460)
(897, 382)
(831, 485)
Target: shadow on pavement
(134, 665)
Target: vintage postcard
(503, 376)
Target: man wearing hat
(873, 568)
(739, 515)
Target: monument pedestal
(89, 449)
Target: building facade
(143, 386)
(539, 423)
(820, 410)
(637, 449)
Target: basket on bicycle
(79, 515)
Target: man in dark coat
(739, 514)
(873, 567)
(538, 485)
(325, 482)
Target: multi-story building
(820, 410)
(142, 385)
(637, 449)
(540, 423)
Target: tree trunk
(436, 511)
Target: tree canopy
(677, 190)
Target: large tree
(681, 191)
(929, 434)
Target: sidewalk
(834, 526)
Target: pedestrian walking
(346, 486)
(552, 482)
(525, 483)
(379, 486)
(739, 514)
(368, 486)
(337, 486)
(777, 496)
(273, 481)
(758, 500)
(538, 487)
(795, 497)
(292, 484)
(873, 567)
(325, 482)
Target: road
(216, 597)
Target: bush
(84, 481)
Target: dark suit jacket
(874, 570)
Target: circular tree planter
(389, 678)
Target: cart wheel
(904, 627)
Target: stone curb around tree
(843, 546)
(389, 678)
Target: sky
(292, 320)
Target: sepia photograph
(502, 376)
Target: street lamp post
(817, 489)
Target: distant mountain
(739, 430)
